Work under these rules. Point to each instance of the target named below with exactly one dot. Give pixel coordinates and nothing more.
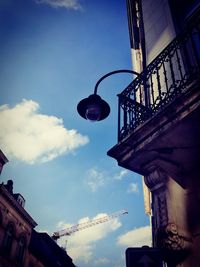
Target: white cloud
(63, 225)
(33, 137)
(121, 175)
(119, 265)
(81, 244)
(68, 4)
(133, 188)
(95, 179)
(102, 261)
(136, 238)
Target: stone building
(159, 121)
(15, 228)
(20, 244)
(44, 252)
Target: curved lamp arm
(111, 73)
(94, 108)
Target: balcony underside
(169, 140)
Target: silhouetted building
(15, 228)
(20, 244)
(45, 250)
(159, 121)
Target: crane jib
(77, 227)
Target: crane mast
(77, 227)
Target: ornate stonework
(169, 238)
(156, 179)
(162, 212)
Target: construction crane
(77, 227)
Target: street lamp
(94, 108)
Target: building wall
(40, 249)
(158, 26)
(34, 262)
(159, 30)
(22, 229)
(164, 148)
(20, 244)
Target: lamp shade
(93, 108)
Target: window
(21, 249)
(8, 238)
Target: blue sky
(52, 54)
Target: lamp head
(93, 108)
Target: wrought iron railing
(167, 77)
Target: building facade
(159, 114)
(15, 228)
(20, 244)
(44, 252)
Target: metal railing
(167, 77)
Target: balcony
(170, 75)
(159, 112)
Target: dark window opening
(182, 12)
(21, 249)
(8, 238)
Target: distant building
(159, 121)
(20, 244)
(44, 249)
(15, 228)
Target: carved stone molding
(156, 179)
(156, 182)
(169, 238)
(160, 204)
